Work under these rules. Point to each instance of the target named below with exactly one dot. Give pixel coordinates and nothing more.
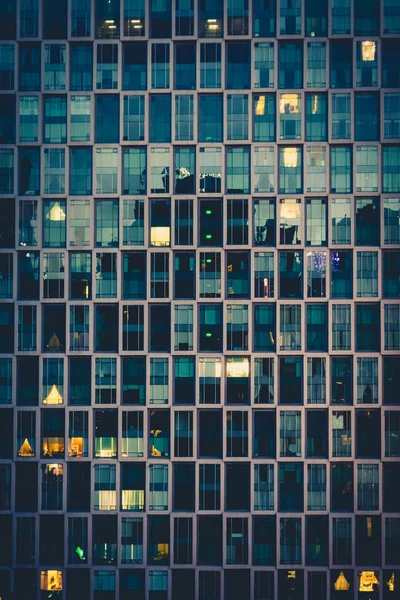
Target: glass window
(184, 19)
(53, 381)
(184, 222)
(132, 327)
(54, 217)
(160, 69)
(367, 222)
(341, 116)
(341, 16)
(79, 223)
(341, 433)
(237, 327)
(210, 127)
(133, 222)
(80, 119)
(342, 274)
(6, 381)
(132, 552)
(160, 118)
(291, 274)
(159, 170)
(184, 380)
(316, 170)
(184, 171)
(106, 170)
(342, 381)
(264, 64)
(106, 274)
(107, 67)
(366, 117)
(391, 275)
(132, 434)
(367, 381)
(29, 67)
(391, 18)
(290, 531)
(264, 126)
(290, 170)
(392, 326)
(237, 56)
(133, 380)
(341, 327)
(290, 327)
(184, 274)
(316, 117)
(367, 274)
(391, 212)
(264, 222)
(316, 487)
(183, 327)
(316, 221)
(105, 383)
(316, 18)
(316, 380)
(158, 487)
(237, 225)
(160, 19)
(368, 487)
(341, 170)
(105, 494)
(391, 108)
(264, 384)
(210, 330)
(237, 275)
(55, 66)
(107, 216)
(290, 116)
(80, 275)
(210, 275)
(341, 220)
(264, 326)
(367, 328)
(367, 64)
(210, 65)
(391, 175)
(209, 380)
(290, 66)
(185, 66)
(79, 328)
(184, 118)
(107, 119)
(53, 274)
(390, 67)
(210, 173)
(134, 181)
(238, 17)
(28, 118)
(55, 120)
(134, 66)
(264, 18)
(316, 64)
(134, 18)
(237, 117)
(340, 62)
(366, 17)
(6, 171)
(81, 66)
(54, 171)
(290, 17)
(316, 274)
(290, 433)
(291, 380)
(80, 183)
(317, 328)
(80, 18)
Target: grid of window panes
(199, 299)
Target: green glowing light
(208, 212)
(208, 236)
(209, 260)
(80, 552)
(208, 334)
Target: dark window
(237, 486)
(210, 433)
(107, 119)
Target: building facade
(199, 299)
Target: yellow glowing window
(54, 469)
(56, 213)
(132, 499)
(160, 236)
(162, 551)
(26, 449)
(107, 500)
(289, 104)
(341, 584)
(368, 581)
(53, 397)
(238, 367)
(260, 106)
(75, 446)
(51, 580)
(53, 446)
(290, 159)
(368, 50)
